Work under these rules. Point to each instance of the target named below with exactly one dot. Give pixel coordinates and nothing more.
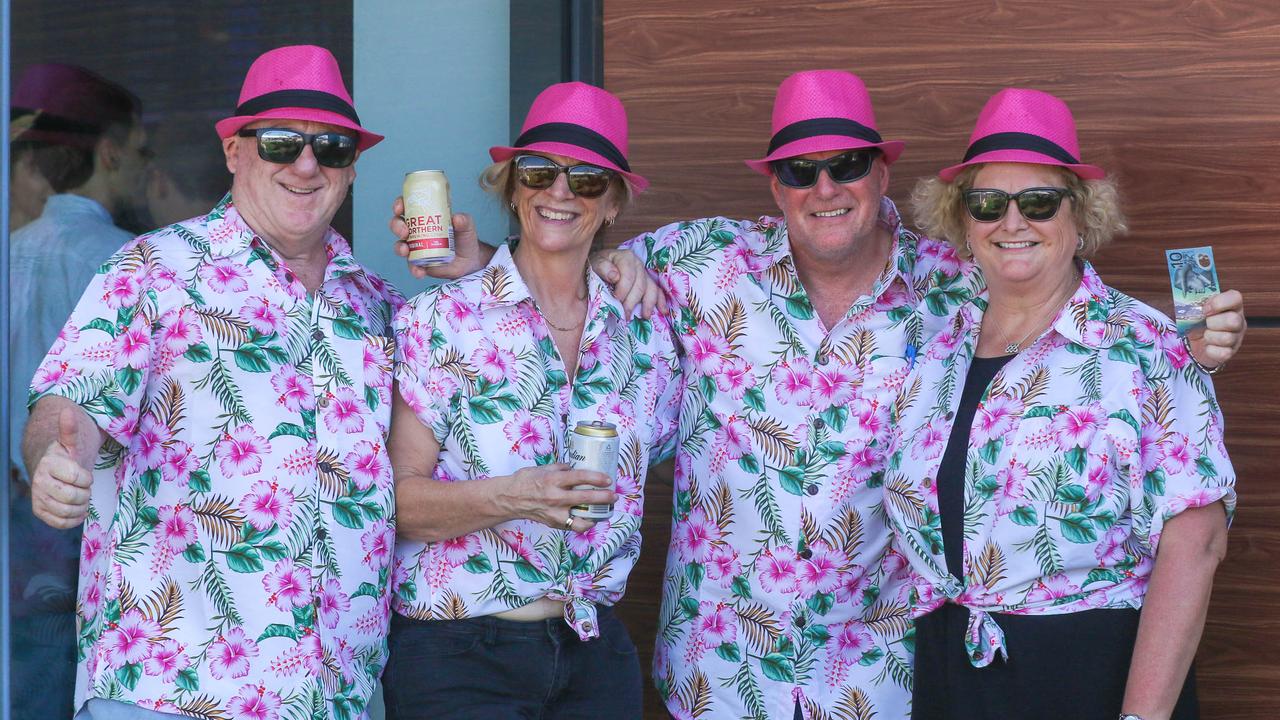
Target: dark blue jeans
(500, 669)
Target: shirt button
(322, 533)
(977, 654)
(950, 415)
(800, 622)
(586, 627)
(806, 553)
(819, 423)
(811, 489)
(322, 401)
(317, 335)
(824, 358)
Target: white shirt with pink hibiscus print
(1082, 448)
(478, 367)
(780, 587)
(237, 555)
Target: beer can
(594, 446)
(430, 221)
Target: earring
(609, 221)
(967, 247)
(1079, 242)
(512, 205)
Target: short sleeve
(102, 357)
(426, 387)
(1183, 457)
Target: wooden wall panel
(1180, 100)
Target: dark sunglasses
(1037, 204)
(539, 173)
(843, 168)
(278, 145)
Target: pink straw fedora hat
(68, 105)
(1025, 126)
(580, 121)
(821, 110)
(296, 82)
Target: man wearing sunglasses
(217, 406)
(782, 597)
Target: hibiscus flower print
(346, 412)
(707, 350)
(176, 528)
(717, 623)
(294, 392)
(122, 289)
(241, 452)
(530, 434)
(368, 465)
(254, 702)
(130, 640)
(331, 603)
(229, 655)
(288, 585)
(267, 504)
(167, 660)
(225, 276)
(263, 315)
(494, 363)
(777, 569)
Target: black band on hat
(52, 123)
(822, 126)
(583, 137)
(315, 99)
(1019, 141)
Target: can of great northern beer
(594, 446)
(430, 221)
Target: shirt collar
(1086, 319)
(600, 299)
(230, 235)
(64, 204)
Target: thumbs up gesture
(62, 477)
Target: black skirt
(1061, 667)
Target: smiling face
(831, 219)
(556, 220)
(1014, 251)
(287, 205)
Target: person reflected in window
(79, 156)
(188, 174)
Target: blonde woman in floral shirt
(1059, 461)
(503, 598)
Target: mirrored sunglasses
(1037, 204)
(283, 146)
(538, 173)
(843, 168)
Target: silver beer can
(430, 220)
(594, 446)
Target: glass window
(112, 107)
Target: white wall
(433, 76)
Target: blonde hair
(939, 209)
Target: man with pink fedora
(782, 597)
(215, 413)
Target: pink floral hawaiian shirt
(237, 554)
(477, 365)
(1083, 446)
(779, 584)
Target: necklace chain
(1011, 348)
